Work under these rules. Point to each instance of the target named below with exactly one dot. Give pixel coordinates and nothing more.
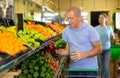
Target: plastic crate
(115, 52)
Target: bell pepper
(60, 44)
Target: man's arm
(76, 55)
(95, 51)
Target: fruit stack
(10, 44)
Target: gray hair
(76, 10)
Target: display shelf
(60, 67)
(6, 66)
(26, 55)
(23, 57)
(14, 61)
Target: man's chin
(71, 25)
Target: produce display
(44, 30)
(55, 27)
(31, 38)
(11, 29)
(42, 64)
(10, 44)
(34, 34)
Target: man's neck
(79, 25)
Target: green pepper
(31, 65)
(35, 74)
(43, 68)
(60, 44)
(22, 76)
(25, 62)
(31, 70)
(46, 65)
(36, 68)
(23, 66)
(48, 75)
(25, 71)
(42, 74)
(41, 62)
(29, 76)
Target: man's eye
(70, 18)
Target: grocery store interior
(30, 28)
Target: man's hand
(59, 51)
(63, 52)
(76, 55)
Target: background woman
(106, 33)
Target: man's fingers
(73, 57)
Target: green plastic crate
(115, 52)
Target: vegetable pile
(42, 65)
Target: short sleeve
(93, 35)
(64, 36)
(111, 31)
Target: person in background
(83, 43)
(106, 33)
